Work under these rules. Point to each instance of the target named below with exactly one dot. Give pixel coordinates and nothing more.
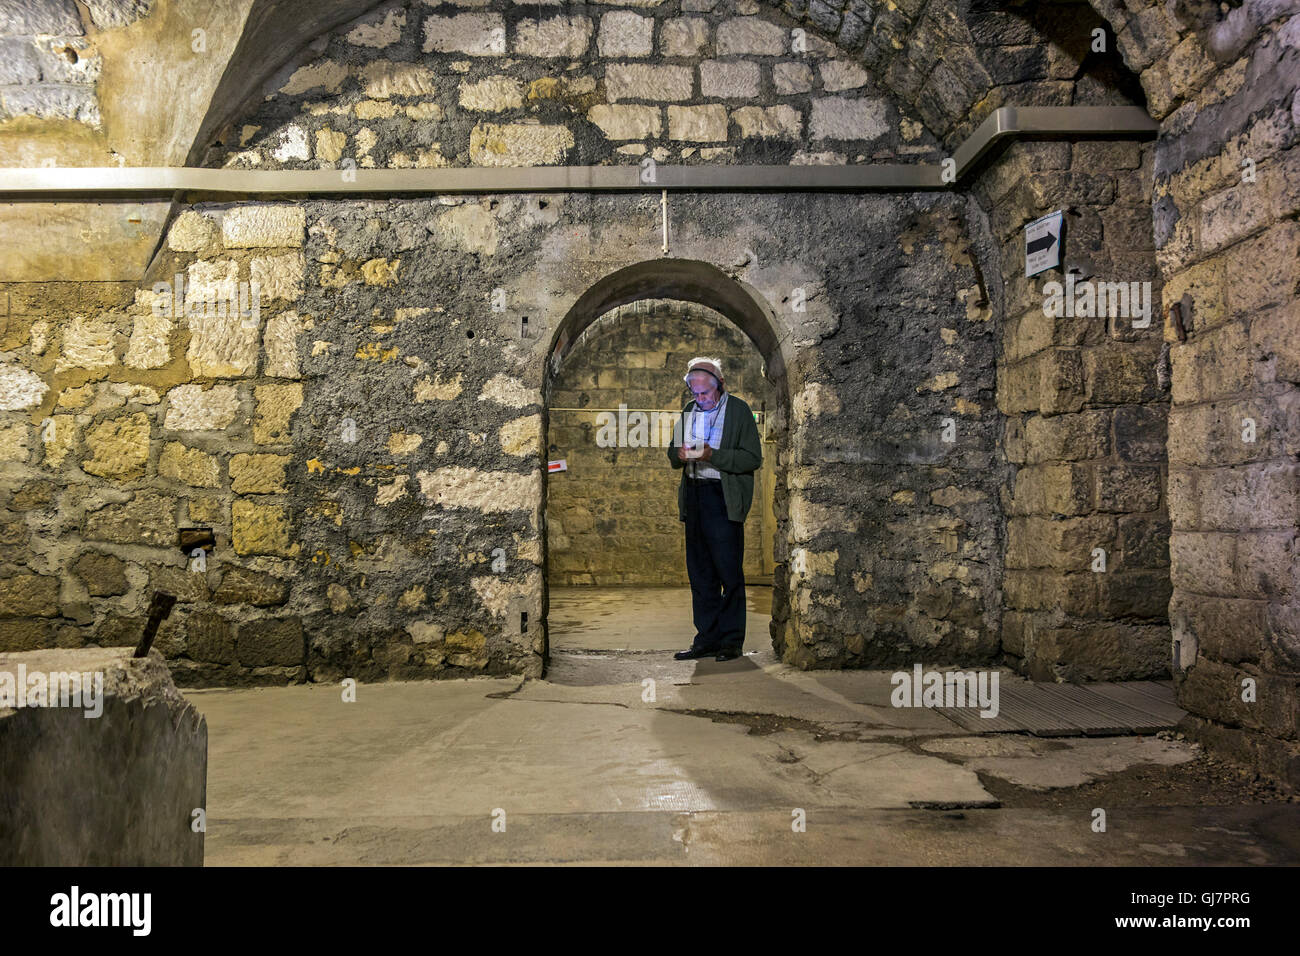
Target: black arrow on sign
(1041, 243)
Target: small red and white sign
(554, 466)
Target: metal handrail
(1004, 123)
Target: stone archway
(689, 280)
(692, 281)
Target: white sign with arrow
(1043, 244)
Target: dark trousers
(715, 548)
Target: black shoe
(728, 654)
(693, 654)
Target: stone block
(643, 81)
(845, 118)
(1257, 282)
(1062, 374)
(55, 17)
(1217, 362)
(1134, 594)
(1214, 690)
(186, 585)
(147, 518)
(326, 75)
(245, 586)
(1068, 437)
(189, 465)
(456, 486)
(1073, 594)
(522, 437)
(274, 410)
(1223, 628)
(1262, 495)
(381, 79)
(1143, 542)
(1141, 432)
(1104, 651)
(492, 95)
(277, 277)
(627, 122)
(280, 342)
(1038, 542)
(773, 122)
(29, 595)
(1064, 489)
(1203, 562)
(1275, 344)
(103, 574)
(194, 408)
(519, 144)
(553, 37)
(683, 36)
(1266, 565)
(624, 33)
(270, 642)
(258, 474)
(209, 638)
(790, 78)
(472, 34)
(150, 344)
(192, 232)
(1229, 215)
(58, 443)
(259, 528)
(1131, 489)
(750, 35)
(263, 226)
(838, 75)
(728, 79)
(88, 344)
(146, 736)
(1121, 375)
(222, 345)
(20, 388)
(697, 124)
(119, 447)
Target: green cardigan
(740, 455)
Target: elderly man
(717, 447)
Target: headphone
(701, 371)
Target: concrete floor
(710, 763)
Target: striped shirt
(706, 427)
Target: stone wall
(612, 517)
(1227, 194)
(1087, 586)
(48, 68)
(368, 452)
(508, 85)
(1208, 212)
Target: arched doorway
(699, 284)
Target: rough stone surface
(519, 144)
(425, 322)
(120, 447)
(194, 408)
(248, 227)
(146, 734)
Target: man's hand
(704, 456)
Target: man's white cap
(701, 364)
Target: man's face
(705, 389)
